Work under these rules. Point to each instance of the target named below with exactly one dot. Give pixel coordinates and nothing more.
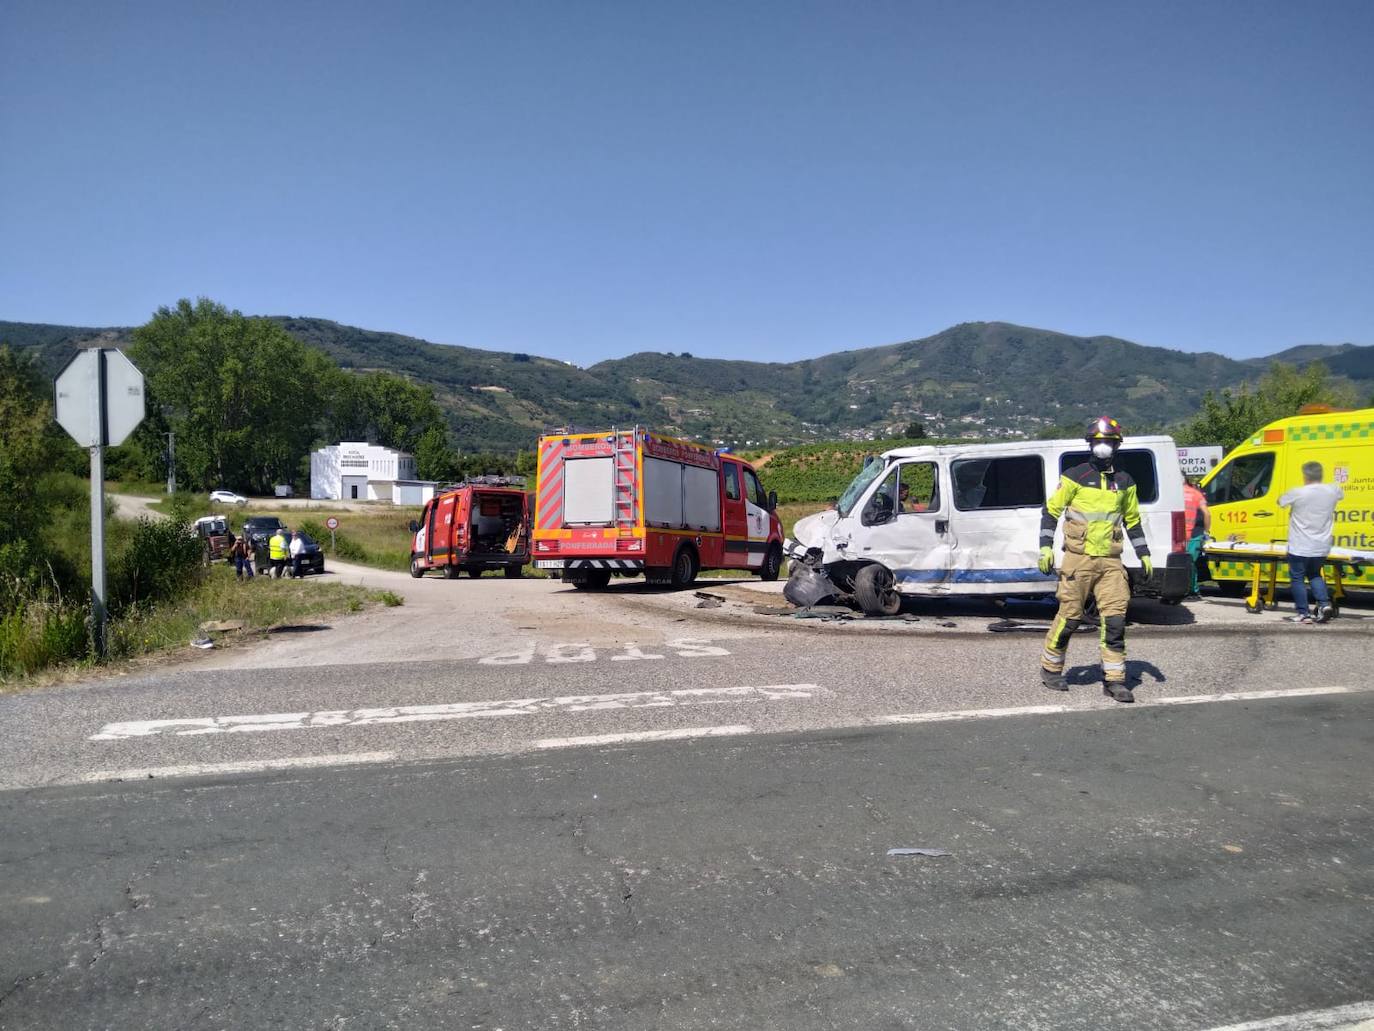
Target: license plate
(549, 563)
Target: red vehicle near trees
(630, 502)
(482, 523)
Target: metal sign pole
(100, 435)
(98, 398)
(98, 549)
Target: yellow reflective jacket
(278, 547)
(1095, 504)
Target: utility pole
(171, 462)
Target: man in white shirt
(1311, 517)
(297, 553)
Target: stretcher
(1268, 559)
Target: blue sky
(771, 180)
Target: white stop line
(1358, 1016)
(256, 724)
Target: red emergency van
(480, 524)
(626, 502)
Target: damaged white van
(965, 520)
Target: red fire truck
(625, 502)
(480, 524)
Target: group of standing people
(283, 547)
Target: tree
(1236, 415)
(30, 445)
(434, 459)
(401, 412)
(914, 431)
(244, 398)
(381, 408)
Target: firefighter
(1096, 501)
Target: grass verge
(259, 604)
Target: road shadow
(1136, 673)
(299, 628)
(1356, 606)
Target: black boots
(1117, 692)
(1054, 681)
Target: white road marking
(453, 711)
(632, 652)
(976, 714)
(1245, 696)
(251, 766)
(728, 730)
(1358, 1016)
(580, 651)
(1047, 710)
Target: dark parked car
(259, 530)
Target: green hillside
(978, 379)
(819, 472)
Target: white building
(354, 471)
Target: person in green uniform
(1097, 501)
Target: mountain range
(977, 379)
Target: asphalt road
(1167, 868)
(473, 830)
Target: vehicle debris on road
(933, 853)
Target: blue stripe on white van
(973, 576)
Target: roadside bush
(184, 506)
(344, 546)
(38, 634)
(164, 560)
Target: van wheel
(684, 568)
(451, 572)
(592, 580)
(474, 573)
(876, 591)
(772, 564)
(514, 572)
(415, 569)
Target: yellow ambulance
(1243, 491)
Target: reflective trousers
(1102, 579)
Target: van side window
(732, 481)
(882, 506)
(1241, 479)
(755, 488)
(920, 488)
(1137, 463)
(1014, 482)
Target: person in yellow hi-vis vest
(279, 550)
(1096, 501)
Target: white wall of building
(353, 470)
